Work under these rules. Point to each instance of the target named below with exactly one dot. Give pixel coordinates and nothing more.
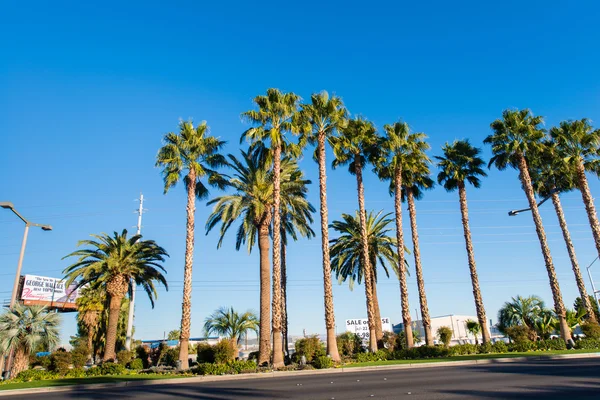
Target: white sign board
(50, 290)
(361, 328)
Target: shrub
(224, 351)
(60, 362)
(242, 367)
(522, 346)
(43, 361)
(76, 373)
(170, 357)
(389, 341)
(551, 344)
(463, 349)
(432, 351)
(124, 356)
(34, 375)
(485, 348)
(162, 370)
(206, 353)
(212, 369)
(93, 371)
(445, 335)
(518, 333)
(136, 364)
(379, 355)
(587, 344)
(253, 356)
(110, 368)
(349, 344)
(310, 348)
(590, 330)
(79, 356)
(143, 354)
(322, 362)
(500, 347)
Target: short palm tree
(460, 164)
(194, 152)
(550, 176)
(252, 204)
(90, 306)
(520, 311)
(228, 322)
(416, 179)
(516, 137)
(355, 146)
(397, 143)
(346, 250)
(23, 329)
(579, 144)
(273, 119)
(473, 328)
(545, 324)
(319, 121)
(114, 263)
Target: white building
(457, 323)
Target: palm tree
(396, 145)
(195, 151)
(273, 119)
(355, 146)
(545, 324)
(459, 164)
(474, 329)
(415, 179)
(252, 203)
(90, 306)
(320, 121)
(520, 311)
(578, 144)
(346, 250)
(517, 137)
(550, 176)
(23, 329)
(114, 264)
(228, 322)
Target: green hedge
(322, 362)
(587, 344)
(232, 367)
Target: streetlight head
(7, 205)
(512, 213)
(46, 227)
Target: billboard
(42, 290)
(361, 328)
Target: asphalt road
(549, 379)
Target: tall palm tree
(397, 143)
(273, 119)
(520, 311)
(355, 146)
(460, 164)
(90, 306)
(114, 263)
(346, 250)
(516, 137)
(550, 176)
(416, 179)
(252, 203)
(474, 329)
(579, 144)
(320, 120)
(194, 152)
(23, 329)
(228, 322)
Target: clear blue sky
(87, 92)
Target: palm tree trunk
(377, 310)
(284, 314)
(574, 264)
(332, 349)
(406, 320)
(426, 320)
(588, 201)
(234, 346)
(264, 335)
(186, 305)
(276, 308)
(111, 331)
(365, 254)
(559, 307)
(464, 210)
(20, 363)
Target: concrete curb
(282, 374)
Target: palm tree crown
(324, 115)
(358, 140)
(460, 163)
(228, 322)
(520, 311)
(578, 142)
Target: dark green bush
(463, 349)
(590, 330)
(93, 371)
(310, 348)
(500, 347)
(522, 346)
(75, 373)
(212, 369)
(170, 357)
(379, 355)
(60, 362)
(485, 348)
(206, 353)
(519, 333)
(34, 375)
(433, 351)
(253, 356)
(445, 335)
(110, 368)
(79, 356)
(551, 344)
(136, 364)
(349, 344)
(224, 351)
(124, 356)
(322, 362)
(242, 367)
(142, 353)
(43, 362)
(587, 344)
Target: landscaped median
(133, 378)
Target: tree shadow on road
(580, 390)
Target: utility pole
(139, 212)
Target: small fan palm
(114, 263)
(520, 311)
(473, 328)
(90, 306)
(461, 163)
(228, 322)
(23, 329)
